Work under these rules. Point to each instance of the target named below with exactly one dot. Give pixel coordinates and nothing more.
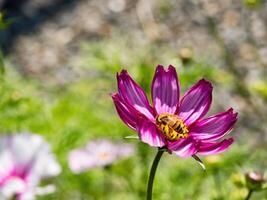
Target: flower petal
(165, 90)
(38, 161)
(80, 160)
(196, 102)
(148, 133)
(184, 147)
(127, 114)
(28, 194)
(208, 148)
(13, 186)
(47, 166)
(214, 127)
(133, 94)
(6, 164)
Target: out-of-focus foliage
(2, 67)
(260, 88)
(61, 89)
(252, 3)
(4, 24)
(70, 115)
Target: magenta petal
(196, 102)
(126, 113)
(149, 133)
(133, 94)
(214, 127)
(165, 90)
(209, 148)
(184, 147)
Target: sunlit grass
(83, 111)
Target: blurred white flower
(98, 153)
(25, 159)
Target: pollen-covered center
(171, 126)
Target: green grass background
(70, 115)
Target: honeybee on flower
(171, 123)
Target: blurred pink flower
(98, 153)
(173, 123)
(25, 159)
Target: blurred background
(60, 62)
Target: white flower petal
(98, 153)
(28, 158)
(13, 186)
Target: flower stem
(152, 174)
(249, 194)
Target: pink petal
(214, 127)
(208, 148)
(196, 102)
(80, 160)
(165, 90)
(133, 94)
(184, 147)
(7, 164)
(149, 133)
(127, 114)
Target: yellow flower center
(171, 126)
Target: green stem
(249, 194)
(152, 174)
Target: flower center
(171, 126)
(104, 155)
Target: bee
(171, 126)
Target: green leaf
(131, 137)
(199, 162)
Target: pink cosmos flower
(171, 122)
(25, 159)
(98, 153)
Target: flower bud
(254, 180)
(186, 55)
